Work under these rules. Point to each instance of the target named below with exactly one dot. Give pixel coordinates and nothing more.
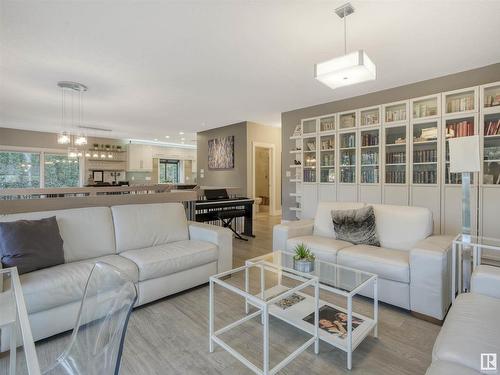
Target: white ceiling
(155, 68)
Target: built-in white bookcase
(489, 180)
(397, 153)
(425, 154)
(459, 119)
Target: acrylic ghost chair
(97, 341)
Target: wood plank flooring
(170, 336)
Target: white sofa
(153, 244)
(412, 264)
(471, 327)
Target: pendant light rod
(343, 11)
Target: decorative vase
(303, 265)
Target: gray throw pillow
(356, 226)
(31, 245)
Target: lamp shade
(346, 70)
(464, 154)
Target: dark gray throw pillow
(356, 226)
(31, 244)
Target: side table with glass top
(339, 280)
(486, 248)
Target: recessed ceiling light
(181, 133)
(156, 139)
(167, 136)
(183, 139)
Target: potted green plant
(303, 260)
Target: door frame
(272, 174)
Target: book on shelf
(459, 129)
(492, 100)
(465, 103)
(493, 128)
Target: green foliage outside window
(61, 171)
(19, 170)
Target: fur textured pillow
(356, 226)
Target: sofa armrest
(430, 276)
(282, 232)
(486, 280)
(222, 237)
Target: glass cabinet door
(370, 116)
(395, 155)
(462, 101)
(396, 112)
(427, 107)
(347, 120)
(347, 160)
(425, 153)
(491, 149)
(309, 126)
(327, 124)
(492, 97)
(327, 158)
(461, 127)
(309, 159)
(370, 141)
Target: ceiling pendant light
(354, 67)
(64, 137)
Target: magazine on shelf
(333, 321)
(289, 301)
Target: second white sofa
(413, 265)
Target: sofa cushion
(62, 284)
(87, 232)
(31, 245)
(324, 248)
(386, 263)
(449, 368)
(401, 227)
(323, 225)
(356, 226)
(171, 258)
(471, 328)
(139, 226)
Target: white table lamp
(465, 159)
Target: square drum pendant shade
(346, 70)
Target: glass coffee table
(260, 284)
(341, 327)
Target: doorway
(263, 177)
(262, 182)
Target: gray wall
(236, 177)
(290, 119)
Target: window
(169, 171)
(61, 171)
(19, 170)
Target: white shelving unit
(425, 154)
(489, 183)
(410, 156)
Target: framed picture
(221, 153)
(98, 176)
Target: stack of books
(465, 103)
(492, 127)
(459, 129)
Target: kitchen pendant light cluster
(71, 117)
(354, 67)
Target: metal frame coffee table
(340, 280)
(264, 301)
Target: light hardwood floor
(170, 335)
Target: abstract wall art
(221, 153)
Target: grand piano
(233, 213)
